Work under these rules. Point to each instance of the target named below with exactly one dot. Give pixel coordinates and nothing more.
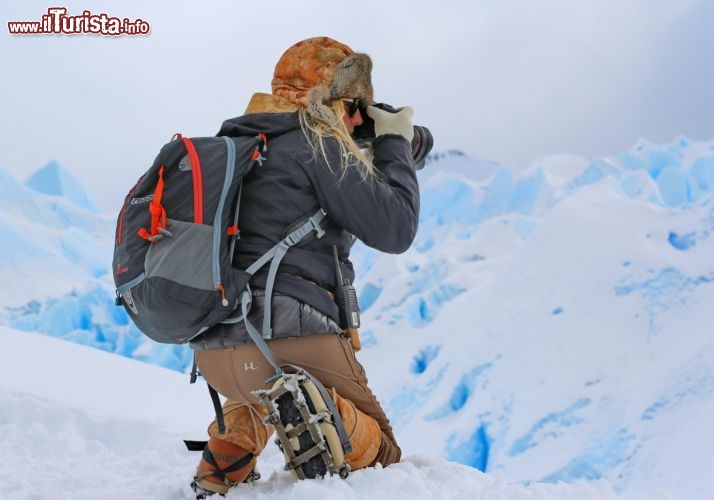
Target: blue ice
(461, 393)
(682, 241)
(421, 361)
(673, 186)
(53, 179)
(600, 457)
(592, 174)
(701, 176)
(549, 424)
(473, 452)
(421, 310)
(368, 296)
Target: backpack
(176, 236)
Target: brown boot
(363, 431)
(223, 465)
(244, 426)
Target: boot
(222, 465)
(363, 431)
(244, 426)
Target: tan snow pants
(237, 371)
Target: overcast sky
(503, 80)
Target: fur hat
(315, 71)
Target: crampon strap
(220, 473)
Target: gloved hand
(386, 122)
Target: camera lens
(422, 143)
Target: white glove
(399, 123)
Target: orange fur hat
(317, 70)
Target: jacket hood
(270, 124)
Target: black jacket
(293, 182)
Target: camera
(422, 142)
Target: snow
(109, 427)
(550, 327)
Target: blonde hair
(351, 156)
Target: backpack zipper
(197, 180)
(122, 214)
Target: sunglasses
(352, 105)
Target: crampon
(306, 428)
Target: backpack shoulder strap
(292, 239)
(274, 256)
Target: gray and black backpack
(176, 235)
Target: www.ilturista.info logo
(57, 22)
